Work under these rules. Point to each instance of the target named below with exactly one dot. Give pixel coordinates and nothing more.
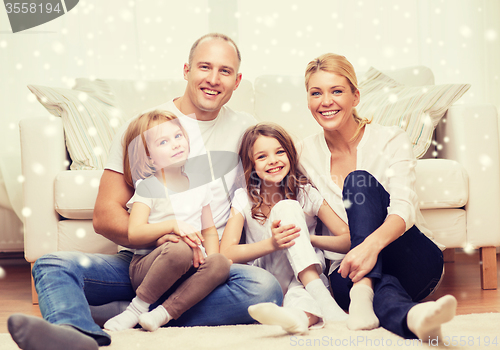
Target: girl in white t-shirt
(156, 148)
(277, 196)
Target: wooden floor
(462, 279)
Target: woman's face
(330, 100)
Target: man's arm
(110, 213)
(111, 217)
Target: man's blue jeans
(407, 270)
(68, 282)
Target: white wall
(145, 39)
(458, 39)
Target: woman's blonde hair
(339, 65)
(294, 181)
(137, 163)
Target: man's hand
(283, 236)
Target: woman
(366, 172)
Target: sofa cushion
(415, 109)
(441, 183)
(79, 235)
(448, 226)
(90, 120)
(75, 193)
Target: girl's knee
(289, 212)
(179, 254)
(218, 265)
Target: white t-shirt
(386, 153)
(168, 205)
(309, 199)
(220, 137)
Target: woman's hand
(361, 259)
(283, 236)
(358, 262)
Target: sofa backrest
(134, 96)
(275, 98)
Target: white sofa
(11, 227)
(459, 192)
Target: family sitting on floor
(198, 252)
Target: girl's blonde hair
(137, 163)
(291, 183)
(339, 65)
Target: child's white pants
(286, 264)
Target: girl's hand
(184, 229)
(167, 238)
(198, 258)
(283, 236)
(358, 262)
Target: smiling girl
(278, 195)
(165, 202)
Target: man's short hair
(213, 36)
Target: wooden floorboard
(15, 291)
(462, 279)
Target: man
(68, 282)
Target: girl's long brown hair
(136, 162)
(291, 184)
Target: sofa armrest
(43, 156)
(469, 134)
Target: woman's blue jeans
(68, 282)
(407, 270)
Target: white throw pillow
(416, 109)
(90, 119)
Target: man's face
(212, 77)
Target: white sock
(128, 318)
(290, 319)
(425, 319)
(154, 319)
(329, 308)
(361, 314)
